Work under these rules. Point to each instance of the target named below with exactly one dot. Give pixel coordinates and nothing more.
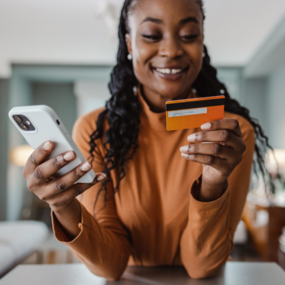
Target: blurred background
(60, 53)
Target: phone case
(48, 127)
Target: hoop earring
(130, 57)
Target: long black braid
(123, 108)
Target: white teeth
(174, 71)
(169, 71)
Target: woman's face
(166, 43)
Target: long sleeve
(103, 243)
(208, 237)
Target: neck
(156, 101)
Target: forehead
(165, 10)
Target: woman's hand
(57, 192)
(219, 148)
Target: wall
(255, 92)
(4, 94)
(276, 108)
(91, 95)
(251, 93)
(265, 74)
(60, 97)
(231, 77)
(20, 95)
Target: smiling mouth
(169, 71)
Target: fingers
(213, 149)
(74, 191)
(37, 157)
(225, 136)
(220, 145)
(224, 124)
(57, 197)
(67, 181)
(41, 175)
(214, 161)
(46, 170)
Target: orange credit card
(192, 113)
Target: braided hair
(123, 108)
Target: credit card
(192, 113)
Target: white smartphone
(40, 123)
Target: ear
(129, 43)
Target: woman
(168, 198)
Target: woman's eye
(189, 37)
(151, 37)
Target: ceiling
(71, 32)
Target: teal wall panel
(4, 107)
(60, 97)
(276, 108)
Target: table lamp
(20, 155)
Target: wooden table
(266, 237)
(233, 273)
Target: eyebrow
(153, 20)
(181, 22)
(188, 20)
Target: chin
(171, 93)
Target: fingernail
(184, 155)
(69, 156)
(191, 138)
(184, 148)
(85, 166)
(47, 146)
(206, 126)
(101, 177)
(188, 156)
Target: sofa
(18, 240)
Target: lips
(170, 72)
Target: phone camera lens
(18, 119)
(24, 127)
(24, 123)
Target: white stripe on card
(188, 112)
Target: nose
(171, 48)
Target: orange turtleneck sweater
(154, 219)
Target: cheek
(196, 54)
(142, 54)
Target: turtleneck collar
(156, 121)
